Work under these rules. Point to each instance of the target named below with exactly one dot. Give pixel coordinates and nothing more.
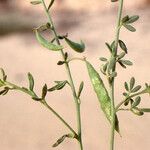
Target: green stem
(70, 77)
(32, 94)
(112, 135)
(129, 97)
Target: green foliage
(76, 46)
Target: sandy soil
(27, 125)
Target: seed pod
(76, 46)
(46, 43)
(101, 93)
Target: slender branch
(129, 97)
(32, 94)
(112, 136)
(69, 75)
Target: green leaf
(125, 19)
(132, 83)
(44, 91)
(3, 92)
(123, 46)
(132, 19)
(127, 62)
(36, 2)
(51, 3)
(113, 46)
(129, 27)
(126, 102)
(59, 85)
(66, 56)
(80, 89)
(126, 86)
(76, 46)
(137, 88)
(105, 67)
(103, 59)
(120, 56)
(46, 43)
(109, 47)
(36, 98)
(3, 76)
(31, 81)
(114, 0)
(136, 102)
(1, 83)
(111, 63)
(121, 64)
(137, 111)
(60, 63)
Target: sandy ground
(27, 125)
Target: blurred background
(25, 124)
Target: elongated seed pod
(102, 93)
(46, 43)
